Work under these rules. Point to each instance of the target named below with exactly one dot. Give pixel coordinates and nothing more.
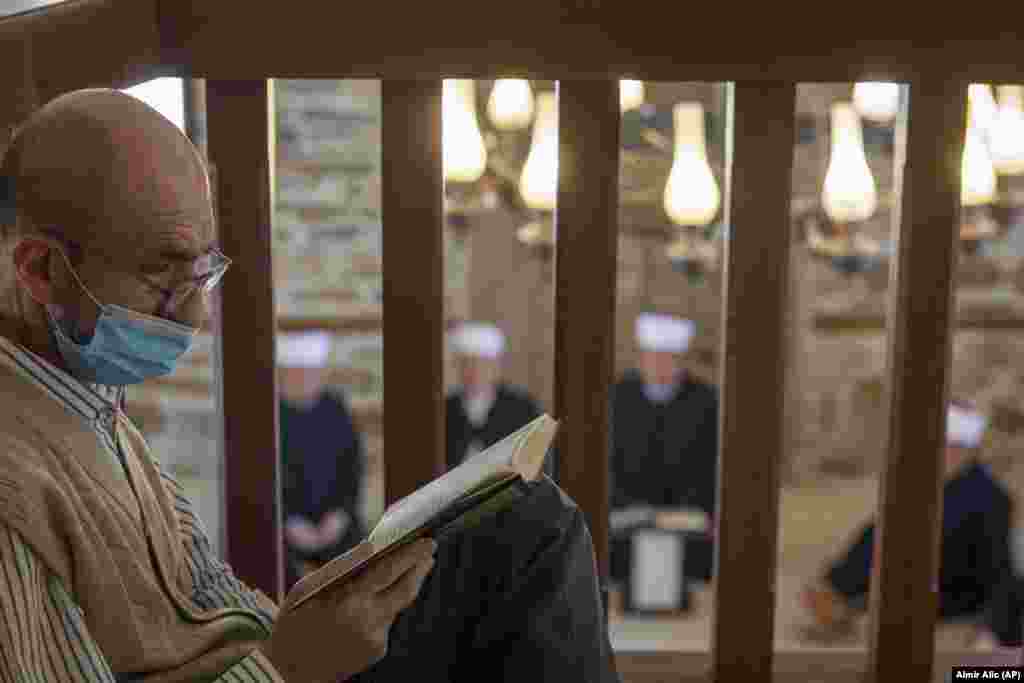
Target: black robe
(975, 566)
(1005, 616)
(322, 470)
(515, 599)
(512, 408)
(664, 455)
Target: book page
(420, 506)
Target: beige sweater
(114, 540)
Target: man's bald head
(100, 170)
(101, 167)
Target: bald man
(106, 574)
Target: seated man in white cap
(664, 440)
(975, 562)
(483, 409)
(322, 457)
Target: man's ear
(32, 259)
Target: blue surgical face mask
(126, 347)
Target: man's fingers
(390, 569)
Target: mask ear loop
(81, 284)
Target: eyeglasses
(213, 264)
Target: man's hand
(681, 519)
(332, 526)
(301, 533)
(341, 632)
(826, 606)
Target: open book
(485, 483)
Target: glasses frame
(171, 299)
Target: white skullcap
(656, 332)
(478, 339)
(964, 427)
(303, 350)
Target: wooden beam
(239, 124)
(583, 40)
(904, 594)
(195, 112)
(586, 264)
(110, 44)
(413, 214)
(759, 166)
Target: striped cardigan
(106, 574)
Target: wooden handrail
(115, 44)
(596, 39)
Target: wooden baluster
(414, 443)
(759, 161)
(904, 599)
(585, 271)
(239, 123)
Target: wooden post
(585, 278)
(414, 446)
(194, 90)
(17, 81)
(239, 128)
(759, 162)
(904, 597)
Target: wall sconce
(510, 106)
(982, 109)
(464, 154)
(691, 195)
(631, 95)
(977, 188)
(877, 101)
(977, 173)
(538, 184)
(464, 157)
(1008, 131)
(691, 198)
(849, 192)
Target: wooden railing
(586, 46)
